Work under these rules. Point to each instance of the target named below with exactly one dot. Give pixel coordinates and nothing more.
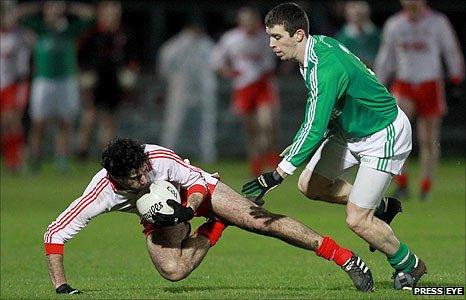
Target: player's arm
(327, 85)
(78, 214)
(451, 51)
(385, 61)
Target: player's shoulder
(156, 153)
(233, 35)
(100, 183)
(437, 17)
(395, 20)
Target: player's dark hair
(290, 15)
(121, 156)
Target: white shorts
(384, 151)
(54, 98)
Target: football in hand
(155, 201)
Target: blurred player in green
(54, 92)
(350, 119)
(359, 34)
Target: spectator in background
(414, 41)
(54, 90)
(109, 68)
(243, 55)
(14, 70)
(359, 34)
(184, 62)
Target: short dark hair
(121, 156)
(290, 15)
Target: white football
(156, 200)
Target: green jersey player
(350, 119)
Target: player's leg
(67, 99)
(428, 130)
(208, 141)
(86, 126)
(11, 128)
(409, 107)
(369, 186)
(174, 116)
(234, 209)
(174, 253)
(40, 110)
(267, 118)
(320, 179)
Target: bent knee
(356, 221)
(173, 271)
(312, 185)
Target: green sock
(381, 208)
(403, 260)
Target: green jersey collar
(309, 45)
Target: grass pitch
(108, 258)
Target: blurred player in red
(243, 55)
(414, 41)
(14, 68)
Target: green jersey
(343, 95)
(55, 49)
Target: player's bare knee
(173, 271)
(356, 222)
(308, 185)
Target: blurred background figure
(109, 68)
(14, 70)
(414, 41)
(185, 64)
(243, 55)
(359, 34)
(54, 91)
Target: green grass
(108, 258)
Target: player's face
(281, 42)
(137, 180)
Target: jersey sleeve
(178, 171)
(385, 61)
(451, 51)
(92, 203)
(327, 82)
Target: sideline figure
(413, 44)
(129, 169)
(350, 119)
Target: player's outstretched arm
(57, 275)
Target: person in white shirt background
(243, 56)
(413, 44)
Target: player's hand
(180, 214)
(66, 289)
(256, 189)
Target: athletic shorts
(247, 99)
(204, 209)
(428, 97)
(13, 97)
(54, 98)
(385, 150)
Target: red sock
(256, 166)
(212, 230)
(12, 147)
(402, 180)
(272, 159)
(426, 184)
(330, 250)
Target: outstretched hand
(256, 189)
(180, 214)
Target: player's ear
(299, 35)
